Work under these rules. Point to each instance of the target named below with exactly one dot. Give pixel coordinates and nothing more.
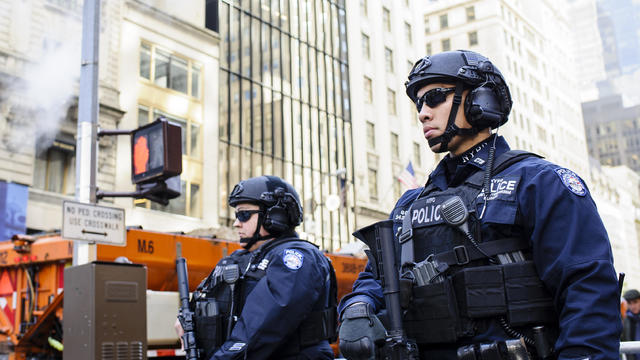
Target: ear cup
(276, 220)
(482, 108)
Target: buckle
(462, 256)
(405, 235)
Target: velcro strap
(356, 311)
(463, 254)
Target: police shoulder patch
(572, 181)
(292, 259)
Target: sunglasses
(433, 97)
(245, 215)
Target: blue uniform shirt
(296, 283)
(570, 249)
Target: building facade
(155, 60)
(285, 108)
(613, 131)
(385, 39)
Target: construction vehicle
(32, 283)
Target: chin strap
(249, 242)
(452, 129)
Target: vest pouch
(209, 333)
(528, 300)
(480, 292)
(431, 317)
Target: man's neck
(469, 142)
(258, 244)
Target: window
(54, 167)
(428, 48)
(397, 186)
(368, 91)
(195, 81)
(191, 142)
(427, 28)
(386, 19)
(395, 147)
(366, 47)
(444, 21)
(446, 45)
(473, 38)
(407, 29)
(371, 135)
(145, 61)
(373, 184)
(417, 159)
(471, 13)
(392, 101)
(364, 8)
(169, 71)
(188, 203)
(388, 59)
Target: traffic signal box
(156, 152)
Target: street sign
(93, 223)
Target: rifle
(379, 238)
(185, 315)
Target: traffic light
(156, 152)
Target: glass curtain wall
(284, 107)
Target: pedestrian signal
(156, 151)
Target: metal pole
(629, 347)
(86, 153)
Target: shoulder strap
(266, 248)
(502, 162)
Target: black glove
(360, 330)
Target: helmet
(631, 295)
(489, 102)
(278, 199)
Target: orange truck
(32, 283)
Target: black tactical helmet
(631, 295)
(468, 68)
(278, 199)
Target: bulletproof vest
(461, 283)
(213, 303)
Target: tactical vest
(212, 302)
(466, 287)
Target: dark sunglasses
(245, 215)
(433, 97)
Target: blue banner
(13, 207)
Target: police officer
(498, 245)
(276, 299)
(631, 322)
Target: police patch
(292, 259)
(572, 181)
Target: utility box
(105, 312)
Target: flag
(408, 177)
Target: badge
(292, 259)
(572, 181)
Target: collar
(476, 159)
